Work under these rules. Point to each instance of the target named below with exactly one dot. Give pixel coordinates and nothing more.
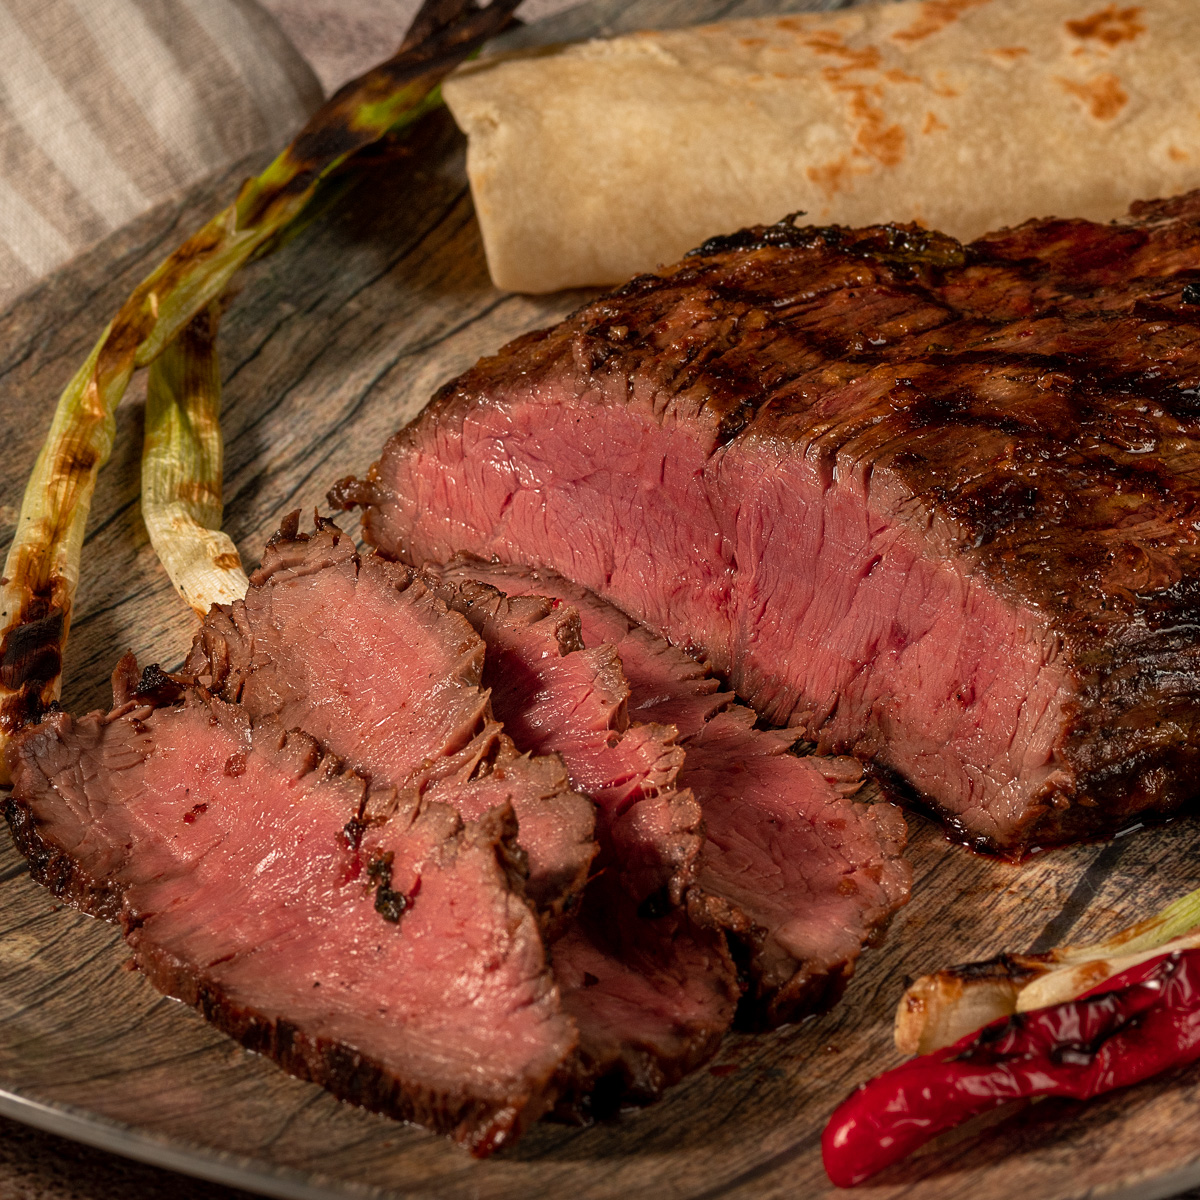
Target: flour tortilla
(596, 161)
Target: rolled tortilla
(599, 160)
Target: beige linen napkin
(109, 106)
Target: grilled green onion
(182, 469)
(42, 569)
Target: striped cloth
(109, 106)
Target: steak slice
(796, 872)
(652, 997)
(651, 993)
(800, 874)
(400, 966)
(554, 696)
(357, 653)
(934, 505)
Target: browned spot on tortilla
(872, 135)
(895, 75)
(933, 123)
(1009, 53)
(934, 16)
(1176, 155)
(226, 561)
(752, 43)
(832, 177)
(1103, 96)
(829, 41)
(885, 144)
(1111, 25)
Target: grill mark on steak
(943, 513)
(358, 653)
(798, 875)
(449, 1017)
(651, 993)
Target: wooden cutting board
(330, 345)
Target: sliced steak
(652, 997)
(358, 653)
(934, 505)
(799, 874)
(651, 993)
(554, 696)
(803, 876)
(400, 966)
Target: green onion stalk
(182, 471)
(41, 572)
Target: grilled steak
(651, 993)
(802, 876)
(366, 939)
(794, 871)
(652, 997)
(358, 653)
(932, 504)
(556, 697)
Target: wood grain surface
(329, 346)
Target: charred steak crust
(936, 505)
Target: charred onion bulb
(939, 1009)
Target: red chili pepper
(1130, 1027)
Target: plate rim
(185, 1158)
